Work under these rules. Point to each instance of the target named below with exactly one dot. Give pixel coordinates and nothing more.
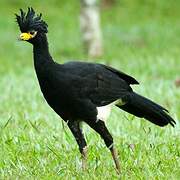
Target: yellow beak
(25, 36)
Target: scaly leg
(100, 128)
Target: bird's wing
(99, 83)
(127, 78)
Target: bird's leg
(77, 133)
(115, 158)
(84, 158)
(99, 127)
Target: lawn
(140, 38)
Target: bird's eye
(32, 32)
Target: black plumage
(74, 90)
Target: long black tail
(145, 108)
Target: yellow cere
(25, 36)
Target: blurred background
(139, 37)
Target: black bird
(75, 90)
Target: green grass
(140, 38)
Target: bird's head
(31, 25)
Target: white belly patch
(104, 112)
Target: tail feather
(145, 108)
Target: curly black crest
(30, 21)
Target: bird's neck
(41, 53)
